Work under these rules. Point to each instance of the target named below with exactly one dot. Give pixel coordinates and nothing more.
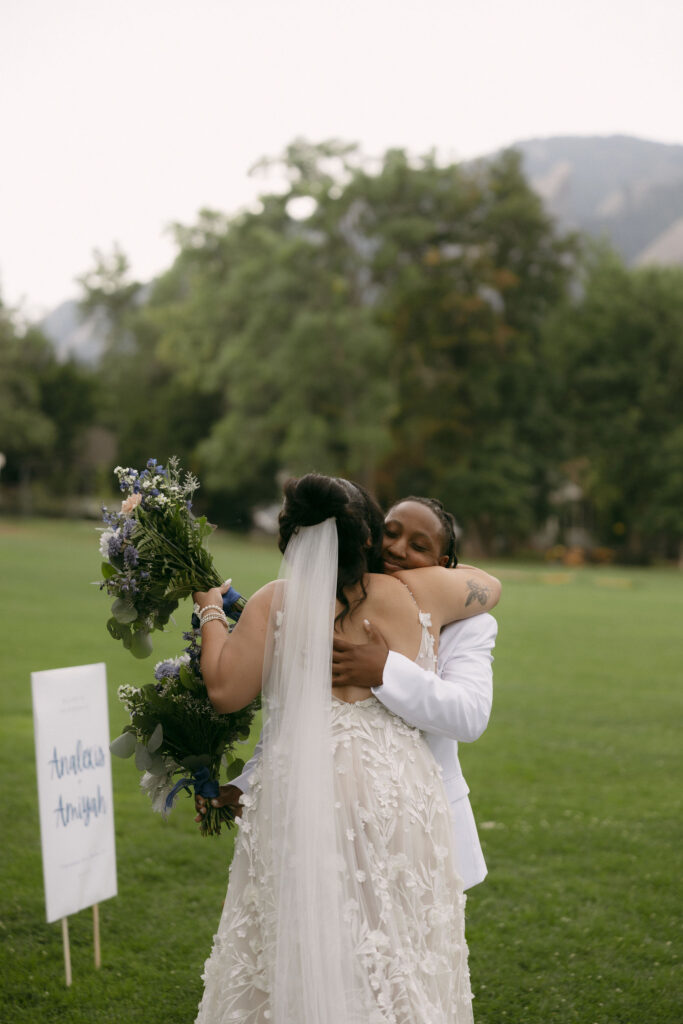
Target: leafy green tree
(45, 406)
(465, 265)
(150, 408)
(27, 433)
(264, 307)
(389, 334)
(619, 346)
(420, 327)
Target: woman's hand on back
(359, 664)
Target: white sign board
(71, 723)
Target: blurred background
(435, 247)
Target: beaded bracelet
(213, 617)
(198, 611)
(211, 611)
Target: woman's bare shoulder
(391, 593)
(268, 591)
(385, 587)
(262, 599)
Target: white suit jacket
(453, 705)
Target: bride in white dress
(344, 905)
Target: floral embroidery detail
(279, 615)
(426, 656)
(403, 900)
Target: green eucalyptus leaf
(124, 610)
(143, 758)
(157, 765)
(235, 769)
(108, 570)
(156, 739)
(186, 678)
(124, 745)
(141, 645)
(114, 629)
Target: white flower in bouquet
(157, 788)
(105, 537)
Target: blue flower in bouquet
(170, 667)
(130, 556)
(153, 551)
(128, 528)
(115, 545)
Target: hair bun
(312, 499)
(360, 524)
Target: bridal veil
(314, 979)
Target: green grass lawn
(576, 787)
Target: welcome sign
(74, 787)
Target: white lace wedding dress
(403, 900)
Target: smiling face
(413, 537)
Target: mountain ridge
(625, 189)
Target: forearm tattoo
(477, 592)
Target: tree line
(418, 327)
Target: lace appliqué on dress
(426, 656)
(403, 900)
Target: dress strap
(426, 656)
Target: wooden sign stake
(67, 950)
(96, 934)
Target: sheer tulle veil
(314, 979)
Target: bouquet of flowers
(155, 556)
(174, 731)
(154, 553)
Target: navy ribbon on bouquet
(229, 599)
(203, 784)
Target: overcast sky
(121, 116)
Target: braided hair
(448, 526)
(313, 498)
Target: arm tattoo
(477, 592)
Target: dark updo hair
(448, 525)
(312, 499)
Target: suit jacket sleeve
(243, 781)
(457, 703)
